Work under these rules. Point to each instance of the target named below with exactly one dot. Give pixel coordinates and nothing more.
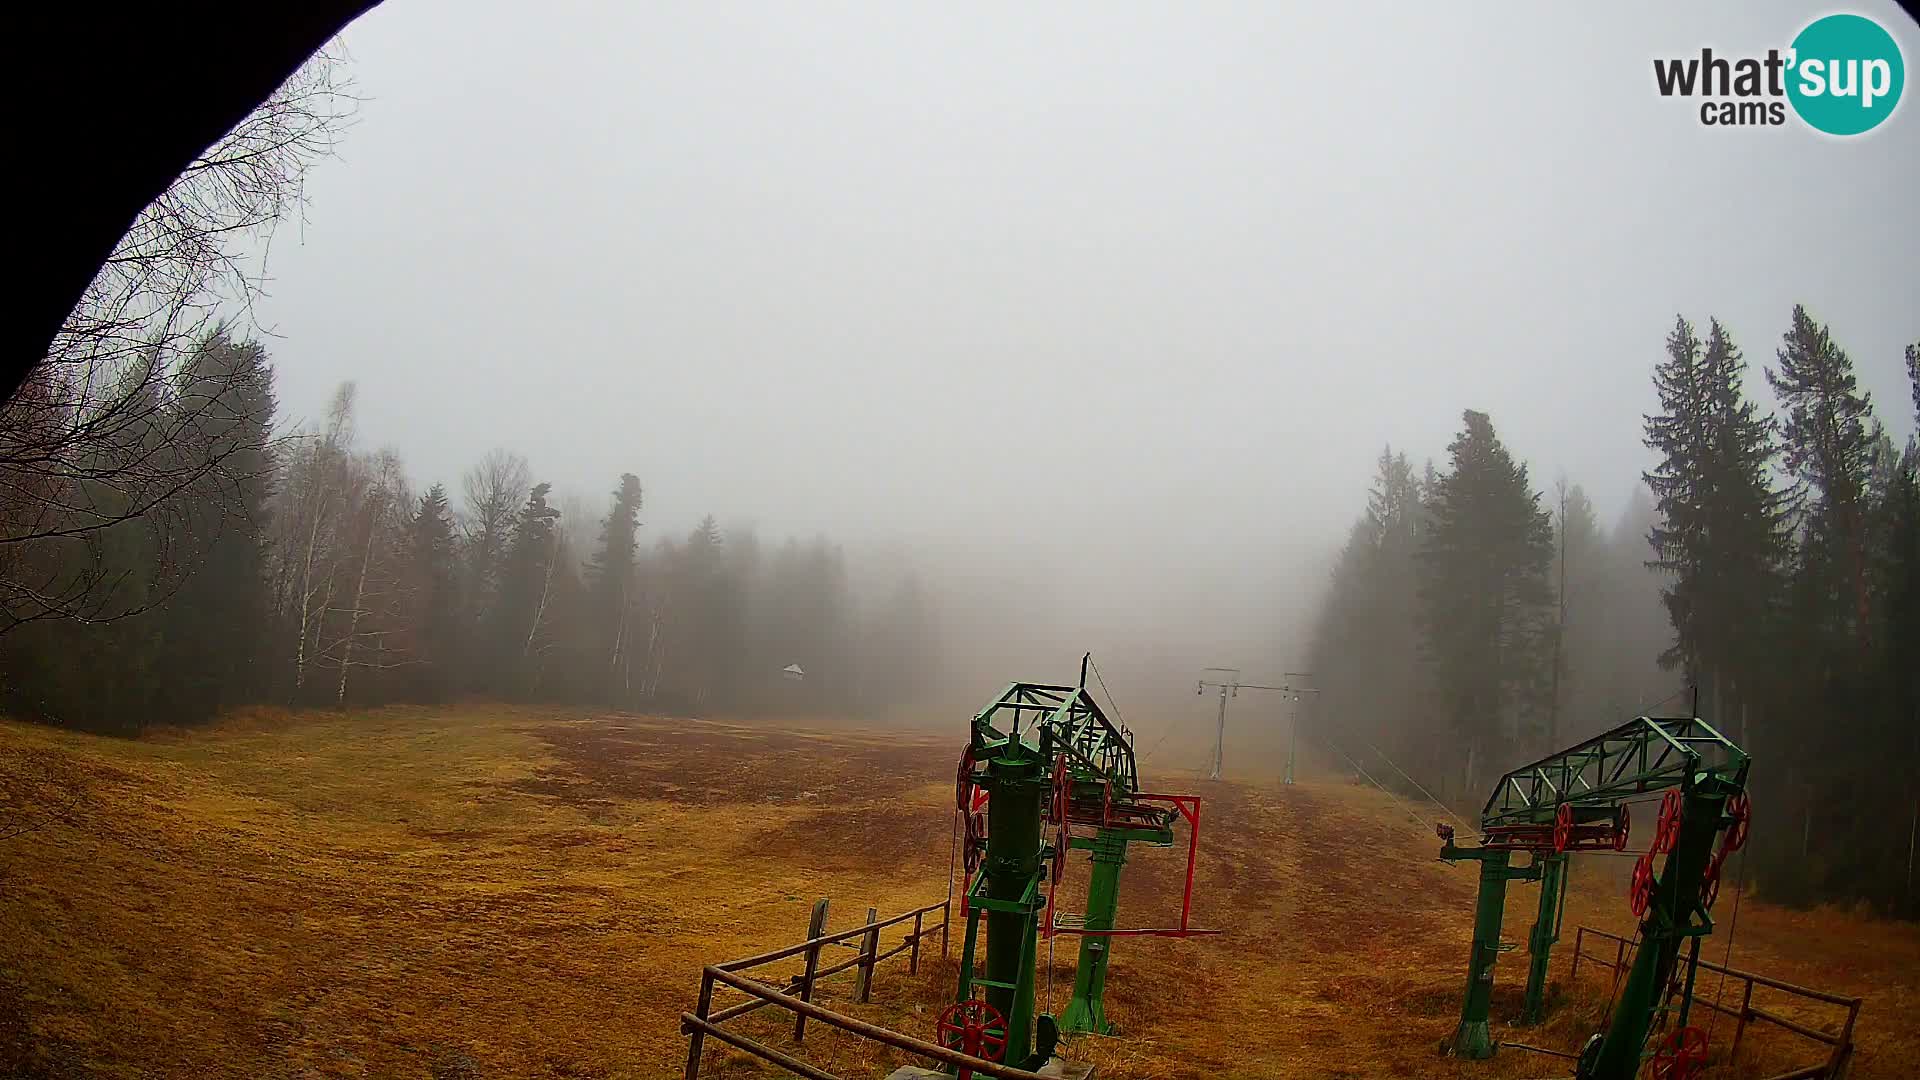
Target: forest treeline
(186, 561)
(1769, 563)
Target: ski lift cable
(1403, 775)
(1425, 824)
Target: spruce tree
(434, 574)
(212, 626)
(1721, 532)
(1485, 599)
(1828, 448)
(526, 585)
(610, 588)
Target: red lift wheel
(1640, 895)
(970, 1027)
(963, 783)
(1562, 827)
(1622, 826)
(1668, 831)
(1710, 882)
(976, 845)
(1740, 809)
(1681, 1056)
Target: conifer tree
(526, 587)
(435, 580)
(610, 585)
(1721, 531)
(1828, 441)
(1485, 599)
(213, 626)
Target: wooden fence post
(1579, 935)
(1843, 1050)
(1740, 1026)
(869, 949)
(815, 927)
(946, 920)
(697, 1035)
(913, 953)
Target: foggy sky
(1127, 296)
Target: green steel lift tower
(1046, 773)
(1577, 800)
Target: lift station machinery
(1046, 773)
(1578, 800)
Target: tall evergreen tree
(1828, 441)
(612, 596)
(1721, 533)
(526, 589)
(213, 626)
(1485, 598)
(1579, 570)
(434, 573)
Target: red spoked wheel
(976, 844)
(963, 783)
(1622, 826)
(1740, 809)
(1562, 827)
(1710, 882)
(1640, 892)
(1668, 830)
(1681, 1056)
(974, 1028)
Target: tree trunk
(359, 596)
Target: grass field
(485, 892)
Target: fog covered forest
(305, 569)
(174, 545)
(1477, 621)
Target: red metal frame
(977, 802)
(1188, 807)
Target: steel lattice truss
(1643, 755)
(1098, 749)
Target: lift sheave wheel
(1668, 829)
(963, 783)
(1681, 1056)
(1740, 809)
(1640, 891)
(974, 1028)
(1562, 827)
(1710, 881)
(1622, 826)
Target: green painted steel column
(1088, 1011)
(1546, 931)
(1675, 898)
(1473, 1040)
(1018, 786)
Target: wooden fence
(797, 996)
(1840, 1045)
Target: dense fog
(628, 356)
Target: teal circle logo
(1845, 74)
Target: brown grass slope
(481, 892)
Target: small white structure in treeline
(793, 672)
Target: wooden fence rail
(1840, 1045)
(797, 995)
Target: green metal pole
(1473, 1040)
(1018, 786)
(1675, 898)
(1087, 1011)
(1546, 931)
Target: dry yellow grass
(484, 892)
